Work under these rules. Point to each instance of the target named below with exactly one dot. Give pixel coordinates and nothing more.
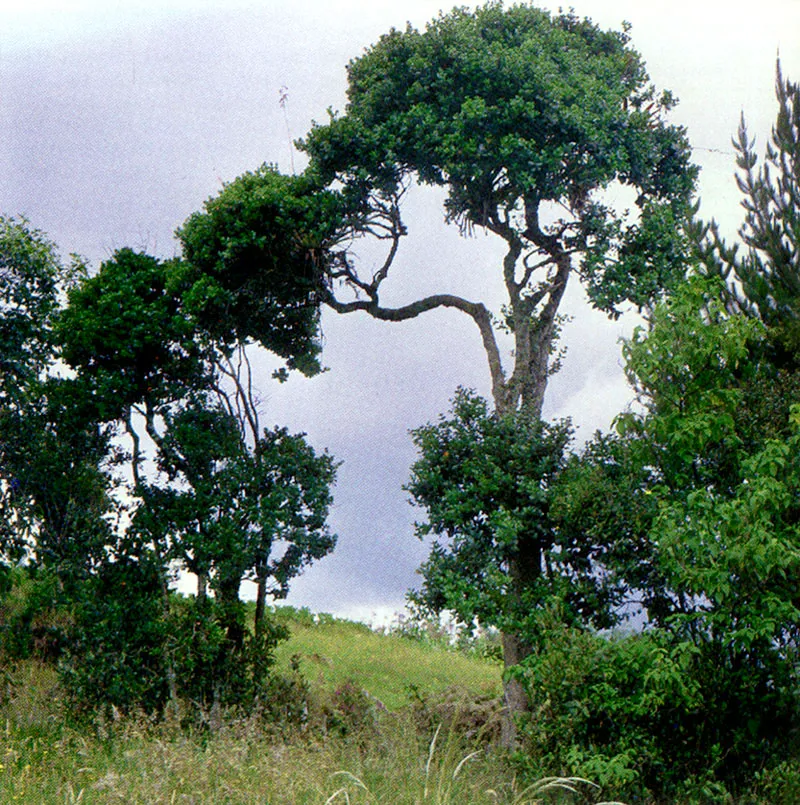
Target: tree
(213, 493)
(707, 539)
(228, 512)
(710, 543)
(55, 501)
(768, 273)
(527, 120)
(233, 512)
(487, 483)
(53, 492)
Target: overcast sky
(120, 118)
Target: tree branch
(136, 454)
(477, 311)
(246, 407)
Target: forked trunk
(534, 342)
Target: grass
(334, 652)
(46, 761)
(398, 755)
(416, 752)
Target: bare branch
(530, 269)
(136, 454)
(244, 407)
(150, 424)
(397, 231)
(477, 311)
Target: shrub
(118, 657)
(35, 619)
(645, 715)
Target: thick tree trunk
(169, 659)
(524, 568)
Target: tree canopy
(527, 119)
(254, 257)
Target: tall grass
(435, 749)
(132, 759)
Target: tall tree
(528, 120)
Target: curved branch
(136, 453)
(477, 311)
(244, 407)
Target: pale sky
(120, 119)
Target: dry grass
(133, 760)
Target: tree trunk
(228, 590)
(172, 683)
(261, 601)
(202, 586)
(515, 699)
(524, 568)
(534, 340)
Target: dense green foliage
(486, 482)
(99, 529)
(708, 550)
(697, 497)
(126, 330)
(53, 495)
(256, 253)
(511, 109)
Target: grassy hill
(414, 751)
(333, 652)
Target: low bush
(650, 718)
(35, 618)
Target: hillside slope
(388, 666)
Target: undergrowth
(383, 758)
(324, 738)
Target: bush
(647, 716)
(35, 619)
(118, 656)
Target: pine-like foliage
(769, 271)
